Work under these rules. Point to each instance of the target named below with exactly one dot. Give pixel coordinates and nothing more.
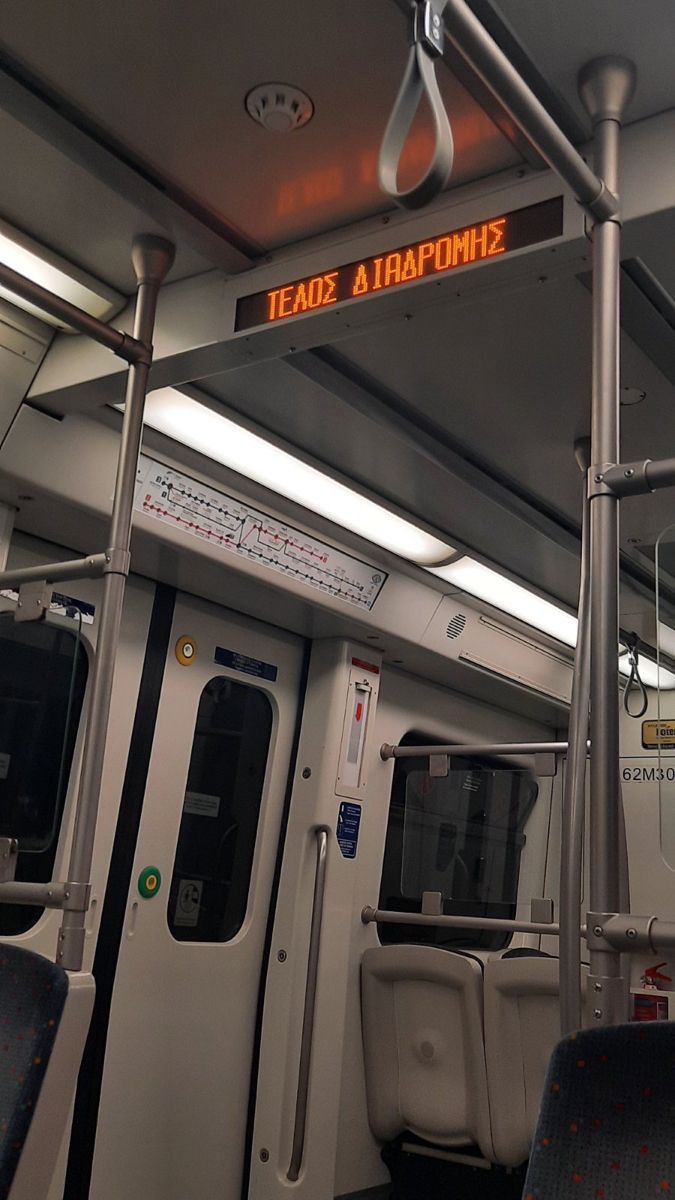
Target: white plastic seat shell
(522, 1027)
(423, 1045)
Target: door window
(216, 841)
(43, 675)
(462, 836)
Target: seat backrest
(606, 1122)
(423, 1045)
(40, 1030)
(522, 1027)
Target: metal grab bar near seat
(388, 751)
(305, 1063)
(381, 916)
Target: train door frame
(152, 1066)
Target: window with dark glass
(43, 675)
(462, 836)
(216, 841)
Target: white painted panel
(407, 704)
(174, 1097)
(42, 937)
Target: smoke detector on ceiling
(279, 107)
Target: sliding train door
(174, 1094)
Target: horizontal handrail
(75, 568)
(388, 751)
(46, 895)
(123, 344)
(381, 916)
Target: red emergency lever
(654, 973)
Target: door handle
(300, 1125)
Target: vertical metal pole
(152, 258)
(574, 805)
(605, 86)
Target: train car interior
(337, 455)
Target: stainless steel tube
(76, 568)
(152, 258)
(381, 916)
(494, 748)
(605, 87)
(47, 895)
(637, 478)
(484, 56)
(300, 1125)
(574, 805)
(631, 934)
(129, 348)
(660, 473)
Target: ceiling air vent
(455, 626)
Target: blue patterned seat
(33, 993)
(606, 1128)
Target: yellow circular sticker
(186, 651)
(149, 882)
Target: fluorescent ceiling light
(666, 637)
(218, 438)
(43, 267)
(650, 674)
(472, 577)
(502, 593)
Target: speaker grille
(455, 626)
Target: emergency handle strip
(304, 1067)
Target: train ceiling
(130, 117)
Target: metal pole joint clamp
(629, 479)
(76, 897)
(620, 932)
(597, 480)
(427, 26)
(133, 351)
(117, 561)
(596, 924)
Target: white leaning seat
(423, 1046)
(522, 1027)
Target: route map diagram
(237, 528)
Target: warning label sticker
(188, 901)
(199, 804)
(347, 832)
(658, 733)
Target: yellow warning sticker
(658, 733)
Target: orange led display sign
(419, 260)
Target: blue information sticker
(347, 832)
(242, 662)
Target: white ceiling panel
(62, 206)
(509, 382)
(168, 81)
(561, 37)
